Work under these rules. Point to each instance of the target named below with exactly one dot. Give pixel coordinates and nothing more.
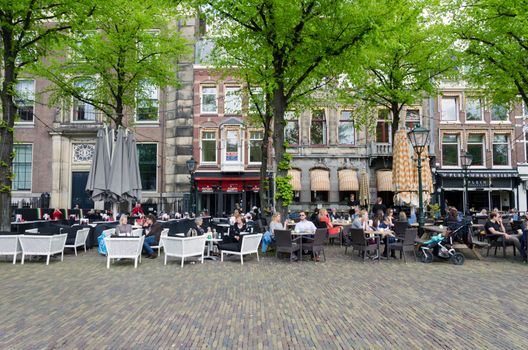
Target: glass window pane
(24, 100)
(476, 151)
(318, 128)
(22, 164)
(500, 154)
(499, 113)
(449, 109)
(347, 133)
(473, 109)
(209, 99)
(291, 132)
(255, 144)
(232, 154)
(147, 157)
(233, 100)
(450, 154)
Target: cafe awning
(384, 180)
(348, 180)
(478, 173)
(320, 180)
(296, 179)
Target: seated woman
(196, 229)
(123, 229)
(323, 218)
(377, 222)
(388, 220)
(269, 236)
(234, 240)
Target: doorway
(231, 201)
(79, 195)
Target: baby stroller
(441, 245)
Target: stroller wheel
(427, 257)
(458, 258)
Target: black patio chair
(359, 242)
(317, 245)
(399, 228)
(495, 242)
(406, 244)
(285, 244)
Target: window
(475, 147)
(525, 109)
(291, 130)
(383, 126)
(412, 118)
(233, 100)
(148, 103)
(83, 111)
(232, 145)
(526, 146)
(450, 150)
(255, 144)
(25, 100)
(449, 109)
(473, 109)
(318, 128)
(347, 132)
(208, 147)
(22, 167)
(499, 113)
(257, 99)
(501, 154)
(209, 99)
(147, 157)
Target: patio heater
(467, 159)
(191, 166)
(419, 138)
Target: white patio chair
(183, 247)
(124, 248)
(164, 233)
(80, 240)
(250, 244)
(42, 245)
(9, 245)
(137, 232)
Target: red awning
(227, 184)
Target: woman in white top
(275, 223)
(123, 229)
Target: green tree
(28, 29)
(126, 50)
(287, 48)
(405, 61)
(494, 40)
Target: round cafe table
(210, 242)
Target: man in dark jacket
(152, 235)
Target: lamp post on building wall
(466, 159)
(419, 138)
(191, 166)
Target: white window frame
(240, 150)
(387, 121)
(208, 86)
(482, 105)
(458, 150)
(457, 109)
(291, 117)
(420, 115)
(154, 91)
(506, 121)
(30, 173)
(76, 102)
(325, 128)
(508, 136)
(259, 94)
(483, 144)
(215, 139)
(250, 138)
(351, 120)
(232, 96)
(32, 95)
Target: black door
(79, 195)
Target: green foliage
(284, 190)
(493, 38)
(125, 50)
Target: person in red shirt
(323, 217)
(56, 215)
(137, 210)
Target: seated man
(152, 235)
(304, 225)
(494, 226)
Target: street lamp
(191, 166)
(467, 159)
(419, 138)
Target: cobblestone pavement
(342, 303)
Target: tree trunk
(395, 109)
(264, 181)
(7, 123)
(279, 106)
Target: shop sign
(478, 183)
(207, 189)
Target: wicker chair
(406, 244)
(359, 242)
(285, 244)
(137, 232)
(183, 247)
(80, 240)
(9, 245)
(124, 248)
(42, 245)
(494, 242)
(164, 233)
(250, 244)
(317, 245)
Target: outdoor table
(210, 242)
(301, 234)
(378, 235)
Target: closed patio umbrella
(403, 171)
(133, 168)
(119, 179)
(97, 184)
(427, 177)
(364, 189)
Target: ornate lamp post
(467, 159)
(419, 138)
(191, 166)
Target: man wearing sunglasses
(304, 225)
